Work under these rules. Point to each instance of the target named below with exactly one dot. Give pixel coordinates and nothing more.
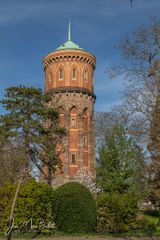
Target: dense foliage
(35, 124)
(116, 212)
(35, 201)
(74, 207)
(120, 175)
(6, 197)
(34, 204)
(120, 163)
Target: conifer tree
(26, 117)
(27, 112)
(120, 163)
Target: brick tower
(69, 76)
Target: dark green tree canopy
(30, 119)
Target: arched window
(60, 73)
(73, 117)
(73, 131)
(74, 74)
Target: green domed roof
(69, 44)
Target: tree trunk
(49, 177)
(12, 210)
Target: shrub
(33, 205)
(74, 208)
(116, 212)
(34, 202)
(6, 198)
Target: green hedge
(116, 212)
(75, 210)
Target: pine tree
(28, 112)
(25, 120)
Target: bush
(33, 205)
(153, 213)
(34, 202)
(116, 212)
(75, 210)
(6, 198)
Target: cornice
(69, 56)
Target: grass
(153, 217)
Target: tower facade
(69, 77)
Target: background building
(69, 76)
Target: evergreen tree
(120, 163)
(121, 171)
(28, 113)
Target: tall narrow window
(50, 77)
(73, 158)
(61, 73)
(85, 75)
(85, 141)
(74, 74)
(73, 121)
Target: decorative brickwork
(69, 77)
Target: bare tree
(140, 60)
(11, 161)
(141, 68)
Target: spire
(69, 31)
(69, 44)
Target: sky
(29, 29)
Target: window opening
(85, 141)
(74, 73)
(50, 79)
(73, 158)
(73, 121)
(85, 75)
(61, 74)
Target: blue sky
(29, 29)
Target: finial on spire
(69, 31)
